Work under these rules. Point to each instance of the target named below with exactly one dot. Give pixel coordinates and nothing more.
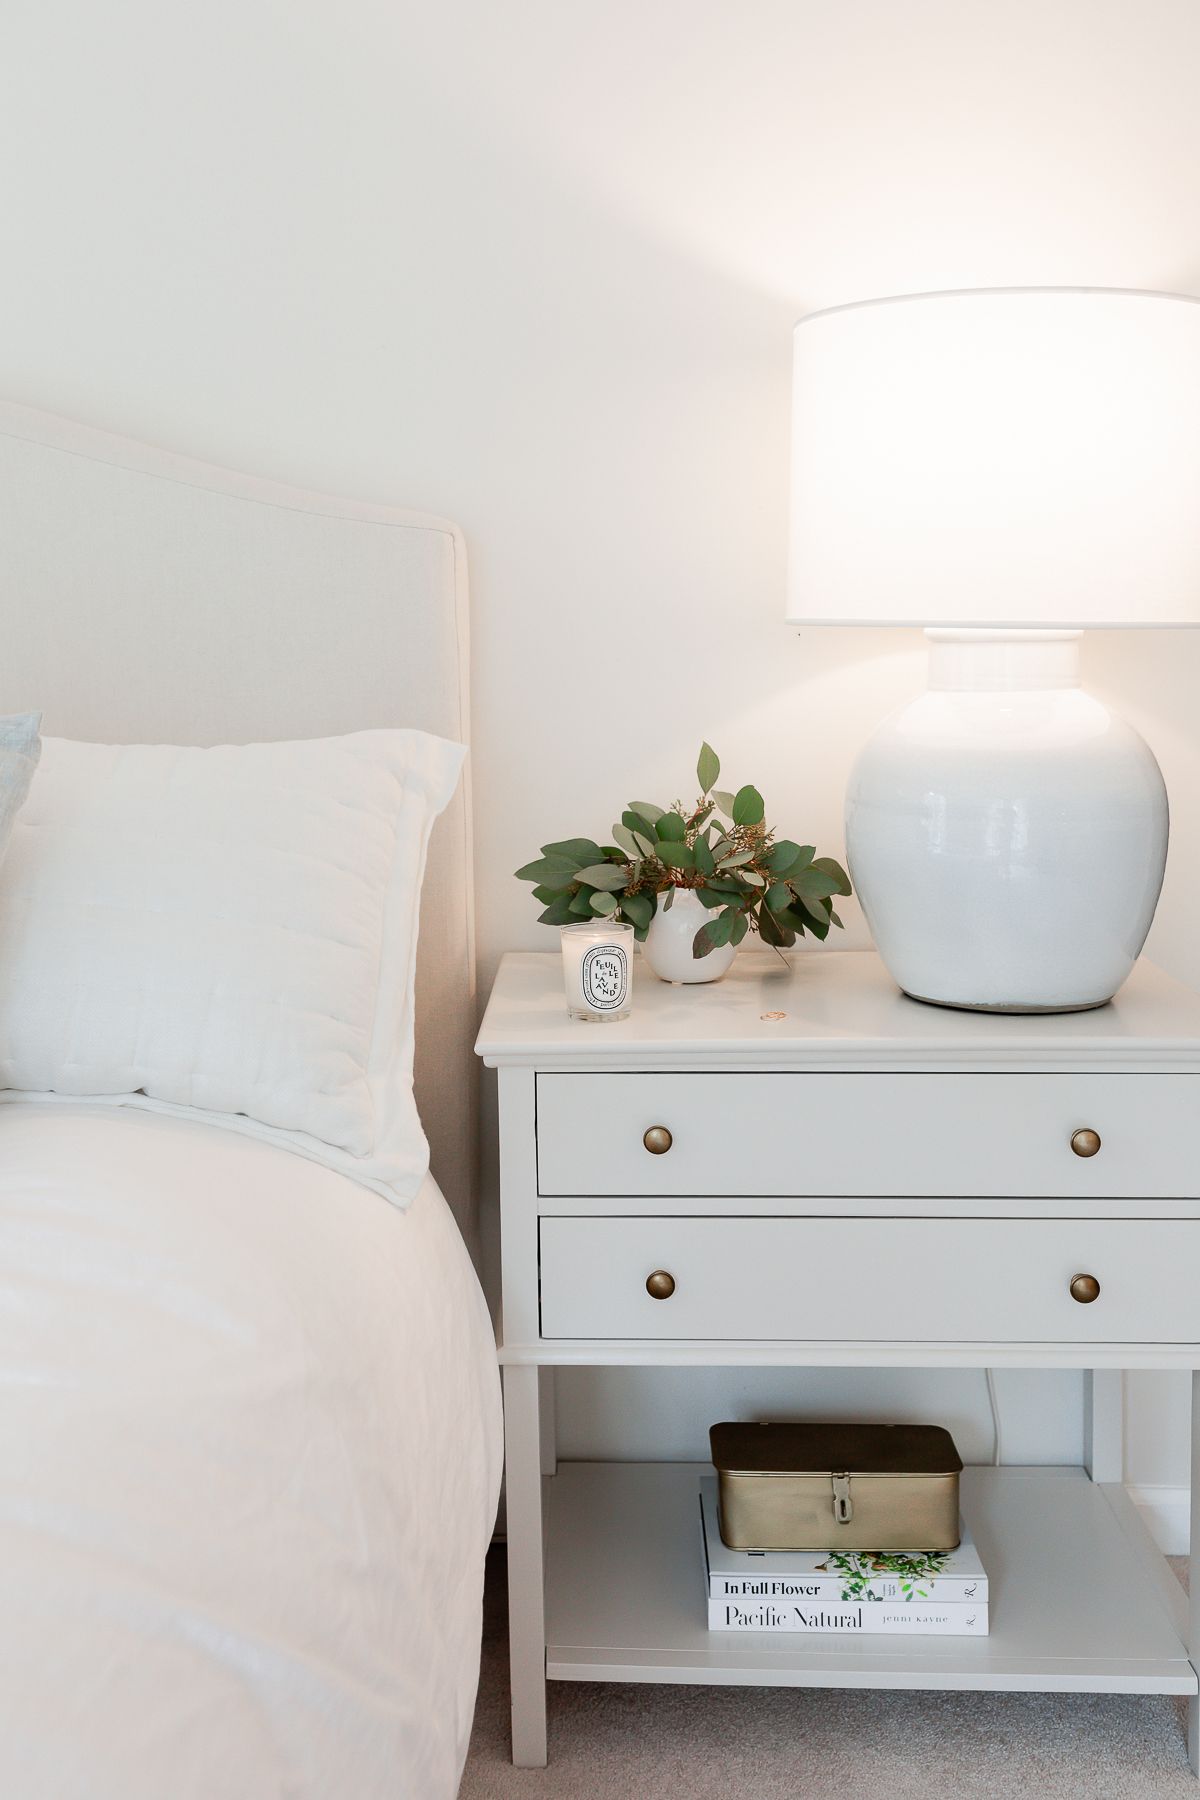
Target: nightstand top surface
(840, 1008)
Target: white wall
(536, 265)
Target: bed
(249, 1419)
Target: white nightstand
(729, 1140)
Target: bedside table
(669, 1182)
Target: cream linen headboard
(149, 598)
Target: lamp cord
(993, 1403)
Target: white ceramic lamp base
(1006, 833)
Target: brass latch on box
(843, 1505)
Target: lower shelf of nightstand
(1074, 1607)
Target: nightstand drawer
(770, 1132)
(863, 1280)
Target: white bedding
(249, 1460)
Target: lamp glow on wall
(1005, 468)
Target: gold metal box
(837, 1487)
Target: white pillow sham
(231, 931)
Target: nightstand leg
(1194, 1579)
(1104, 1424)
(548, 1422)
(526, 1565)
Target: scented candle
(598, 969)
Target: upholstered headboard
(149, 598)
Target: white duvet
(249, 1459)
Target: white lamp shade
(1011, 458)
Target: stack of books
(818, 1591)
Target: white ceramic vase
(668, 945)
(1006, 833)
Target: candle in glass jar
(598, 968)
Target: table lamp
(1005, 468)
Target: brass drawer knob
(1085, 1289)
(657, 1140)
(660, 1285)
(1085, 1142)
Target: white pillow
(230, 930)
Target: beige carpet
(627, 1742)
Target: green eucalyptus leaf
(676, 856)
(647, 810)
(549, 871)
(806, 918)
(775, 928)
(749, 807)
(635, 822)
(670, 828)
(724, 801)
(786, 858)
(559, 912)
(702, 856)
(713, 934)
(576, 850)
(669, 902)
(835, 871)
(581, 905)
(547, 895)
(834, 920)
(623, 836)
(779, 896)
(814, 884)
(811, 915)
(646, 845)
(741, 926)
(606, 875)
(605, 904)
(753, 877)
(708, 769)
(712, 897)
(638, 909)
(737, 859)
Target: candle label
(605, 977)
